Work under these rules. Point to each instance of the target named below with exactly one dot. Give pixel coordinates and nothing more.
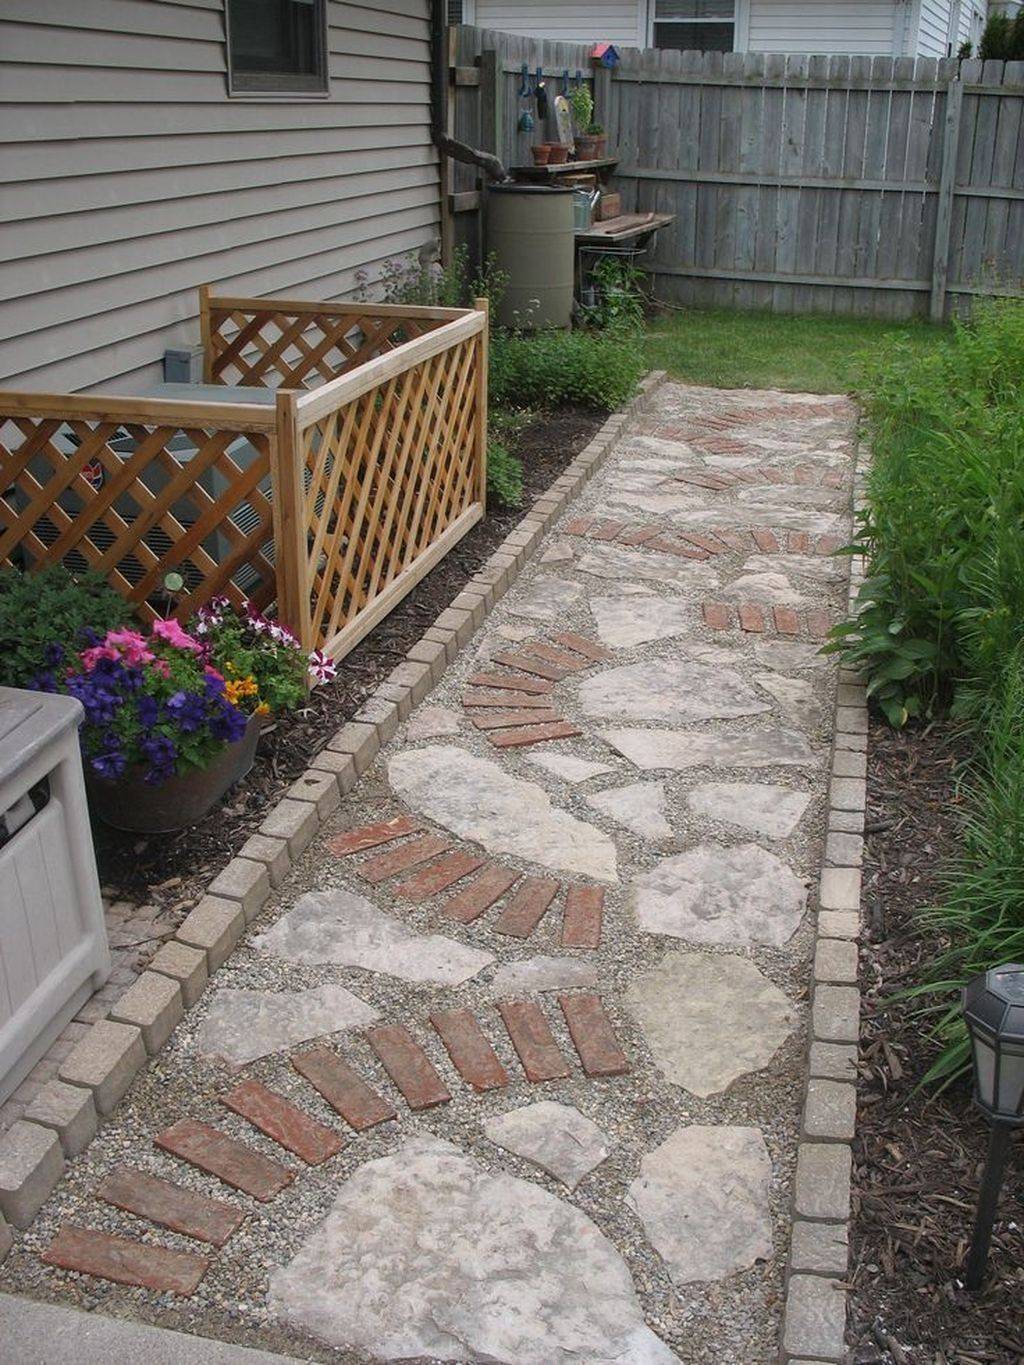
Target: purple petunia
(110, 764)
(188, 710)
(161, 752)
(228, 722)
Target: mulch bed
(170, 870)
(918, 1157)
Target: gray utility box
(53, 938)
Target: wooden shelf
(603, 163)
(627, 227)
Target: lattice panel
(386, 475)
(136, 502)
(272, 347)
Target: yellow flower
(263, 709)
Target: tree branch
(491, 166)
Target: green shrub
(504, 475)
(594, 369)
(43, 616)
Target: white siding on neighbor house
(576, 21)
(933, 33)
(130, 177)
(843, 27)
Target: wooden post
(944, 213)
(206, 333)
(445, 166)
(491, 78)
(602, 94)
(484, 306)
(291, 556)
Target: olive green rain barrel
(530, 234)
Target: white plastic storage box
(53, 939)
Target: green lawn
(773, 351)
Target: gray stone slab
(822, 1187)
(773, 588)
(724, 895)
(759, 808)
(632, 619)
(616, 563)
(679, 750)
(555, 1137)
(784, 656)
(702, 1196)
(710, 1019)
(242, 1025)
(639, 807)
(796, 698)
(820, 1248)
(835, 1014)
(343, 927)
(475, 798)
(546, 598)
(830, 1110)
(834, 1061)
(432, 722)
(670, 691)
(815, 1322)
(452, 1262)
(535, 974)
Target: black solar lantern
(993, 1007)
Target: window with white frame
(277, 46)
(695, 25)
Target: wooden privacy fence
(359, 462)
(855, 185)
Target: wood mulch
(918, 1156)
(170, 870)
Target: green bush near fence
(940, 630)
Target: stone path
(511, 1067)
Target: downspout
(491, 165)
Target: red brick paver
(533, 734)
(819, 623)
(605, 530)
(504, 720)
(343, 1088)
(533, 1041)
(471, 901)
(233, 1162)
(170, 1206)
(766, 542)
(527, 907)
(583, 646)
(370, 836)
(498, 698)
(471, 1052)
(680, 548)
(592, 1035)
(717, 616)
(527, 664)
(561, 658)
(399, 859)
(798, 542)
(751, 618)
(584, 910)
(438, 876)
(279, 1119)
(506, 681)
(125, 1261)
(787, 622)
(408, 1066)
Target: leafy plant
(264, 667)
(620, 294)
(425, 283)
(581, 102)
(504, 475)
(595, 369)
(46, 616)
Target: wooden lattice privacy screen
(332, 502)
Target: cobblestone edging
(814, 1323)
(63, 1118)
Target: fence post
(484, 306)
(947, 184)
(491, 78)
(291, 556)
(206, 333)
(602, 94)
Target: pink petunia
(172, 633)
(91, 657)
(130, 645)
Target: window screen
(277, 46)
(701, 25)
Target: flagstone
(431, 722)
(777, 514)
(640, 807)
(820, 567)
(568, 767)
(796, 495)
(678, 750)
(545, 598)
(669, 690)
(537, 974)
(702, 1197)
(759, 808)
(774, 588)
(427, 1254)
(709, 1019)
(784, 655)
(555, 1137)
(632, 619)
(717, 894)
(343, 927)
(242, 1025)
(796, 697)
(648, 566)
(477, 799)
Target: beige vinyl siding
(933, 28)
(130, 177)
(577, 21)
(843, 27)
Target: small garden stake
(993, 1007)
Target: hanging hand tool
(541, 93)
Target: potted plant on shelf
(540, 151)
(581, 102)
(172, 718)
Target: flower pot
(600, 145)
(586, 146)
(558, 153)
(130, 803)
(540, 151)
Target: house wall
(843, 27)
(130, 177)
(934, 33)
(614, 21)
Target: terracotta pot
(586, 146)
(600, 145)
(558, 153)
(540, 151)
(130, 803)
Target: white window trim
(741, 24)
(247, 92)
